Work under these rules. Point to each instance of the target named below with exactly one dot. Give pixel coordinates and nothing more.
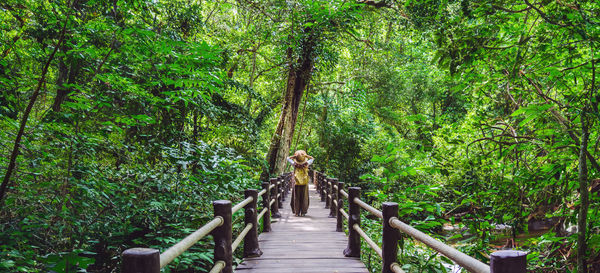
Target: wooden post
(508, 261)
(285, 185)
(222, 235)
(327, 192)
(332, 206)
(251, 247)
(275, 206)
(323, 182)
(353, 249)
(286, 180)
(390, 237)
(280, 191)
(340, 218)
(339, 188)
(267, 217)
(317, 184)
(290, 182)
(144, 260)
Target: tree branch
(510, 10)
(563, 122)
(367, 42)
(545, 16)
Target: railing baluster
(508, 261)
(275, 206)
(146, 260)
(281, 180)
(323, 183)
(280, 192)
(334, 196)
(339, 188)
(317, 184)
(353, 249)
(222, 235)
(289, 182)
(327, 192)
(340, 206)
(251, 247)
(265, 201)
(285, 185)
(390, 237)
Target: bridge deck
(303, 244)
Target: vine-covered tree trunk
(298, 77)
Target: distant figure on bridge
(300, 160)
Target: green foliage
(469, 114)
(127, 156)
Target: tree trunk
(298, 78)
(15, 151)
(68, 72)
(61, 90)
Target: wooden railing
(273, 193)
(332, 192)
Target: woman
(300, 160)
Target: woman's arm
(310, 161)
(289, 159)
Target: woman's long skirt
(299, 201)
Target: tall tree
(312, 23)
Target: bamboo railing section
(332, 192)
(273, 193)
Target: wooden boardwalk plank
(307, 244)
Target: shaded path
(303, 244)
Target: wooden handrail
(260, 193)
(241, 237)
(262, 213)
(464, 260)
(501, 261)
(242, 204)
(369, 208)
(344, 193)
(396, 268)
(151, 261)
(219, 265)
(368, 239)
(183, 245)
(344, 213)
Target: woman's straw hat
(300, 157)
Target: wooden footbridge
(312, 243)
(303, 244)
